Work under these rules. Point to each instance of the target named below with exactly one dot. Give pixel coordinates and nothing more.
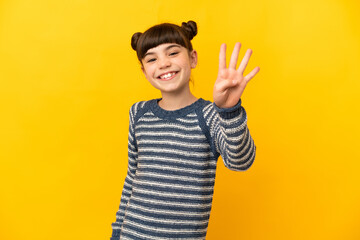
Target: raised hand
(230, 83)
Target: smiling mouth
(167, 76)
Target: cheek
(148, 72)
(184, 63)
(187, 67)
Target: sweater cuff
(228, 113)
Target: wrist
(229, 112)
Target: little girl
(175, 141)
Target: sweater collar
(162, 113)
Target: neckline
(162, 113)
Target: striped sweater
(172, 159)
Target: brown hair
(164, 33)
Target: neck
(171, 101)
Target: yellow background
(68, 77)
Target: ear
(193, 59)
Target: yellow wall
(68, 77)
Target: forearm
(233, 138)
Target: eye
(173, 53)
(150, 60)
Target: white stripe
(170, 203)
(207, 107)
(166, 221)
(132, 169)
(175, 143)
(171, 134)
(183, 178)
(127, 185)
(236, 139)
(174, 160)
(235, 156)
(242, 145)
(126, 197)
(172, 186)
(166, 230)
(167, 127)
(131, 145)
(152, 118)
(208, 110)
(212, 112)
(234, 130)
(130, 151)
(236, 167)
(142, 236)
(188, 153)
(130, 139)
(174, 195)
(176, 169)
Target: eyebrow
(167, 48)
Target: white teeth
(167, 75)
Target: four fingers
(229, 78)
(233, 62)
(234, 58)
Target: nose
(164, 62)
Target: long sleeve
(132, 166)
(230, 135)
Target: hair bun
(134, 40)
(190, 28)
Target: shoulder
(205, 104)
(206, 113)
(207, 108)
(139, 108)
(138, 105)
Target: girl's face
(168, 66)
